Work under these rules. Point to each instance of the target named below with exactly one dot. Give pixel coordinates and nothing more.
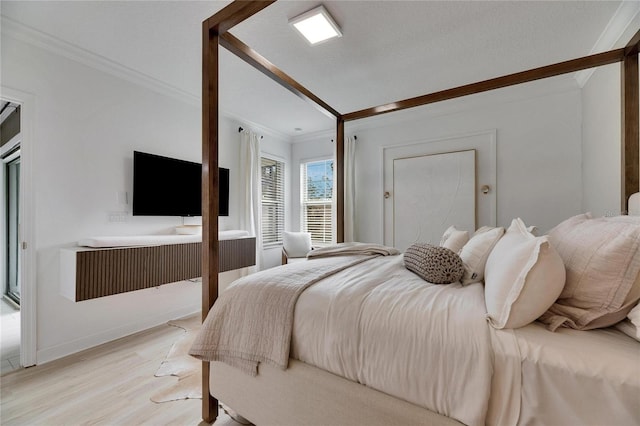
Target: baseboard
(69, 348)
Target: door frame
(27, 221)
(485, 149)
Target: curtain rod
(355, 138)
(240, 129)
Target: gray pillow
(438, 265)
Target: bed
(305, 393)
(374, 343)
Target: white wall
(601, 132)
(538, 155)
(601, 140)
(538, 150)
(86, 126)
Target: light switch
(123, 197)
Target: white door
(432, 185)
(431, 193)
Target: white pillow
(629, 328)
(297, 244)
(602, 260)
(533, 230)
(474, 254)
(524, 276)
(631, 325)
(454, 240)
(634, 317)
(634, 204)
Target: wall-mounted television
(164, 186)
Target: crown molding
(34, 37)
(618, 24)
(314, 136)
(256, 127)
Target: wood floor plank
(106, 385)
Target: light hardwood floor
(9, 336)
(106, 385)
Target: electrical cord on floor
(235, 416)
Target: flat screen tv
(164, 186)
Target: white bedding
(381, 325)
(575, 377)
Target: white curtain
(349, 189)
(250, 204)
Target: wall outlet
(118, 216)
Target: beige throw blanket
(251, 321)
(346, 249)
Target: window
(272, 172)
(317, 193)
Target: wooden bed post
(630, 126)
(212, 29)
(210, 197)
(339, 185)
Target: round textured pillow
(438, 265)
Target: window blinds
(272, 173)
(317, 194)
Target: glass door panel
(13, 240)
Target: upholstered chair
(295, 246)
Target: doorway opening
(10, 138)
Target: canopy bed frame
(216, 34)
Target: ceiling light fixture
(316, 25)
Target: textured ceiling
(395, 50)
(390, 50)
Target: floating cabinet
(89, 273)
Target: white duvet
(380, 325)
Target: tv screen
(164, 186)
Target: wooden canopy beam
(259, 62)
(234, 13)
(574, 65)
(633, 46)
